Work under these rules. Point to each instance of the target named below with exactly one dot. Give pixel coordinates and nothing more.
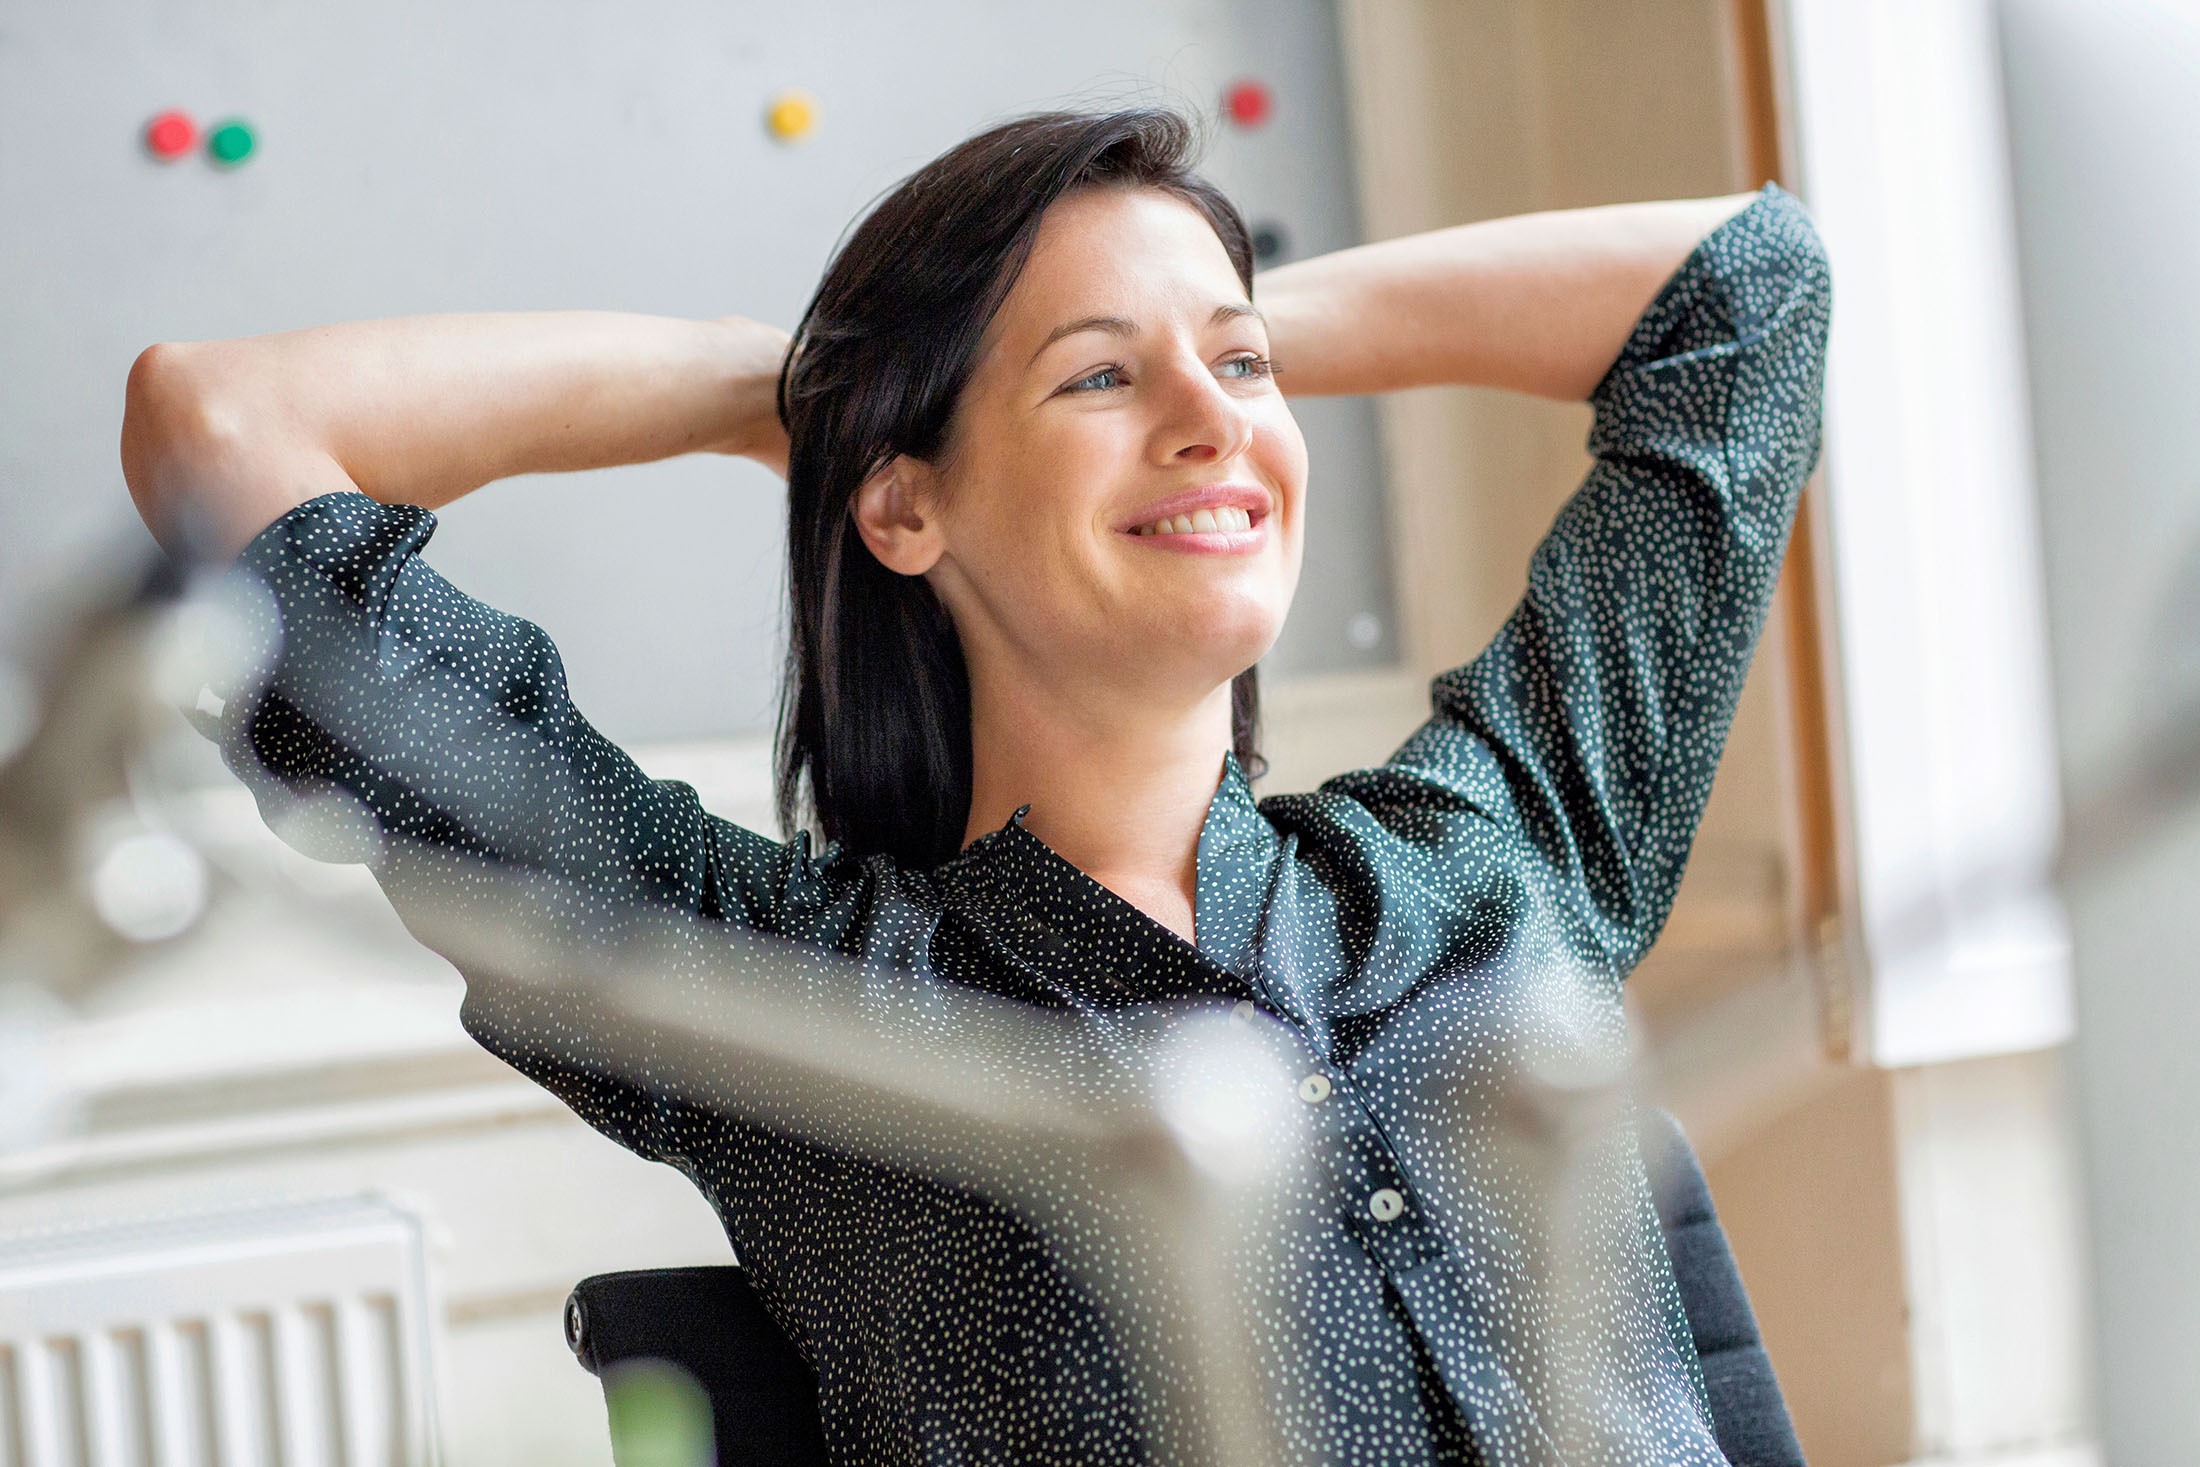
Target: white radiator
(292, 1336)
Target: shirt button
(1244, 1012)
(1385, 1204)
(1314, 1089)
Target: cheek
(1051, 502)
(1027, 536)
(1281, 454)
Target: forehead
(1117, 250)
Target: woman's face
(1120, 508)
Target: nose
(1206, 422)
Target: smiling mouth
(1224, 519)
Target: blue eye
(1260, 367)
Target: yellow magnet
(792, 114)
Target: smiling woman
(1046, 512)
(1096, 366)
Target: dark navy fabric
(1473, 1270)
(763, 1398)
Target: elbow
(1799, 253)
(176, 437)
(164, 420)
(160, 408)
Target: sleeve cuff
(355, 543)
(1737, 279)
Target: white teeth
(1224, 518)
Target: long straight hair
(874, 719)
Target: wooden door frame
(1818, 887)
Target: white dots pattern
(1438, 942)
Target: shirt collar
(1080, 938)
(1238, 850)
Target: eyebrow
(1119, 326)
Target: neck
(1117, 786)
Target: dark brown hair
(874, 721)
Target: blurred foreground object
(1193, 1121)
(1174, 1122)
(1169, 1132)
(89, 870)
(2105, 133)
(90, 862)
(660, 1416)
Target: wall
(419, 157)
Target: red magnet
(171, 135)
(1248, 103)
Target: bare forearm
(424, 409)
(1540, 303)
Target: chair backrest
(709, 1322)
(1747, 1410)
(763, 1396)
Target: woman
(1046, 503)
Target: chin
(1234, 636)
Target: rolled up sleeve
(1595, 719)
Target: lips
(1207, 509)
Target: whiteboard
(418, 156)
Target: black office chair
(1747, 1410)
(762, 1398)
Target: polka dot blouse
(1469, 1268)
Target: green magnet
(231, 143)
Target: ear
(889, 509)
